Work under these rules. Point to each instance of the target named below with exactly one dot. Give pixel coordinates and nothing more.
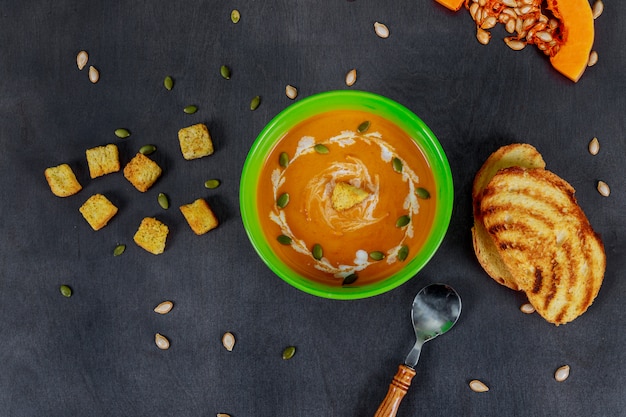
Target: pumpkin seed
(351, 77)
(422, 193)
(81, 59)
(211, 184)
(283, 159)
(318, 251)
(403, 221)
(527, 308)
(161, 341)
(377, 255)
(282, 200)
(254, 104)
(291, 91)
(147, 149)
(164, 201)
(228, 340)
(403, 252)
(594, 146)
(66, 291)
(363, 127)
(381, 30)
(288, 352)
(562, 373)
(397, 164)
(603, 189)
(235, 16)
(119, 249)
(284, 240)
(319, 148)
(514, 44)
(122, 133)
(164, 307)
(597, 9)
(593, 59)
(350, 279)
(478, 386)
(482, 35)
(191, 109)
(225, 72)
(168, 82)
(94, 74)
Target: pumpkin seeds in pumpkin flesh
(282, 200)
(284, 240)
(319, 148)
(363, 127)
(317, 251)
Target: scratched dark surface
(94, 353)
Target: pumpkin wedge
(565, 32)
(577, 36)
(451, 4)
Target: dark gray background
(94, 354)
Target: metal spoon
(436, 308)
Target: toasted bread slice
(517, 154)
(545, 240)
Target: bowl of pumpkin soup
(346, 194)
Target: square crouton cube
(103, 160)
(142, 172)
(98, 210)
(199, 216)
(151, 235)
(195, 141)
(62, 180)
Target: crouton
(151, 235)
(142, 172)
(103, 160)
(195, 141)
(199, 216)
(62, 180)
(346, 196)
(98, 210)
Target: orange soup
(348, 197)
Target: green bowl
(345, 100)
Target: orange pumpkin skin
(451, 4)
(577, 36)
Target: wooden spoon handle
(397, 390)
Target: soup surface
(346, 197)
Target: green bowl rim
(353, 100)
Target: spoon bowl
(436, 308)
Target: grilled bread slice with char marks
(516, 154)
(545, 240)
